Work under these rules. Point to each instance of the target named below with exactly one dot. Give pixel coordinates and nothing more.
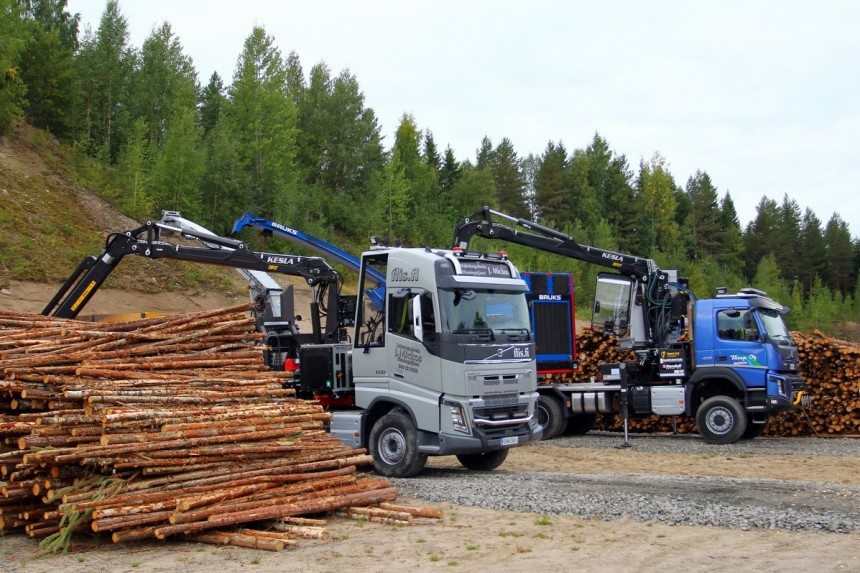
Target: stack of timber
(162, 427)
(830, 367)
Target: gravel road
(737, 503)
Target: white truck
(445, 367)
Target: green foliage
(178, 170)
(768, 278)
(760, 238)
(656, 199)
(840, 255)
(821, 308)
(308, 151)
(12, 87)
(549, 184)
(264, 123)
(132, 172)
(164, 83)
(508, 179)
(47, 64)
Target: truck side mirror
(417, 325)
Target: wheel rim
(720, 421)
(392, 446)
(543, 417)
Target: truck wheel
(393, 444)
(721, 420)
(484, 462)
(550, 416)
(580, 424)
(753, 430)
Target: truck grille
(501, 400)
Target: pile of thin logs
(165, 427)
(830, 368)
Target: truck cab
(446, 367)
(743, 349)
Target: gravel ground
(737, 503)
(694, 444)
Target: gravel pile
(721, 502)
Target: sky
(764, 96)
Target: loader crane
(149, 241)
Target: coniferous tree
(508, 178)
(788, 237)
(485, 156)
(730, 237)
(840, 254)
(212, 103)
(430, 153)
(610, 177)
(549, 183)
(585, 205)
(704, 213)
(760, 235)
(812, 256)
(450, 171)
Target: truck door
(416, 376)
(739, 345)
(370, 351)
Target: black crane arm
(146, 241)
(540, 237)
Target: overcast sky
(764, 96)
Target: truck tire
(754, 430)
(393, 444)
(721, 420)
(550, 416)
(483, 462)
(580, 424)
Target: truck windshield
(478, 310)
(774, 326)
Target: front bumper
(484, 440)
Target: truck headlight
(458, 419)
(780, 384)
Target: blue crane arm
(318, 245)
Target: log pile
(163, 427)
(831, 369)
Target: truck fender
(380, 406)
(704, 374)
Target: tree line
(306, 150)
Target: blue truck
(728, 361)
